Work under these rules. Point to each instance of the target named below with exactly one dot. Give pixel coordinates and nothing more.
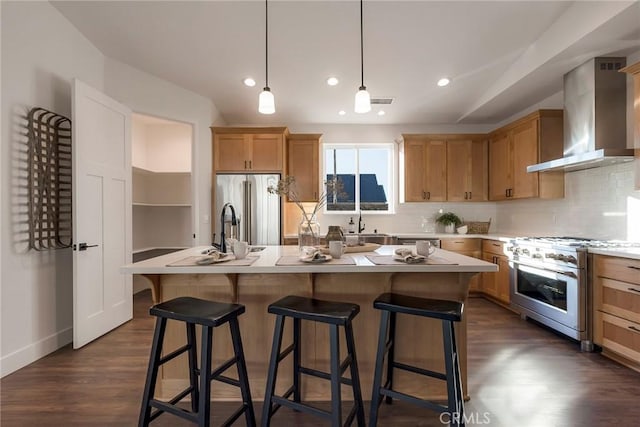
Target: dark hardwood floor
(520, 374)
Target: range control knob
(539, 256)
(525, 251)
(571, 259)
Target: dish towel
(407, 256)
(311, 253)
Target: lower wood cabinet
(469, 247)
(616, 288)
(497, 284)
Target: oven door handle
(560, 272)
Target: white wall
(41, 54)
(36, 71)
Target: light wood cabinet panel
(525, 153)
(496, 284)
(499, 167)
(532, 139)
(469, 247)
(634, 70)
(616, 295)
(248, 149)
(436, 171)
(414, 176)
(467, 162)
(303, 151)
(266, 153)
(489, 280)
(230, 153)
(425, 170)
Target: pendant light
(266, 102)
(363, 100)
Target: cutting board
(365, 247)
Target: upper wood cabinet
(634, 70)
(467, 161)
(303, 153)
(425, 169)
(532, 139)
(248, 149)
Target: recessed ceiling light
(443, 82)
(332, 81)
(249, 82)
(342, 112)
(381, 113)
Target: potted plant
(449, 220)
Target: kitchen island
(354, 278)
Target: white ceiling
(502, 56)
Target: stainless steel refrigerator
(257, 210)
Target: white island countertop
(267, 258)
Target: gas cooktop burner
(578, 242)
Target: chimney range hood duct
(595, 117)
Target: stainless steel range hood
(595, 111)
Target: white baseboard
(32, 352)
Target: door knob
(83, 246)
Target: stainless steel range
(549, 283)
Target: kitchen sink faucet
(360, 224)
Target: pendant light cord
(266, 42)
(361, 49)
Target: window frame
(392, 167)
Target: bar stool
(209, 315)
(334, 314)
(448, 312)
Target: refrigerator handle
(249, 208)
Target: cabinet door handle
(245, 164)
(465, 195)
(506, 193)
(424, 195)
(250, 167)
(428, 195)
(470, 195)
(634, 290)
(633, 267)
(315, 194)
(633, 328)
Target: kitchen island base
(418, 342)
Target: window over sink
(359, 177)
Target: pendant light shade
(266, 102)
(363, 100)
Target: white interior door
(102, 297)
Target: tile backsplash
(599, 203)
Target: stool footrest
(301, 407)
(323, 375)
(229, 421)
(172, 409)
(285, 353)
(173, 354)
(277, 406)
(413, 400)
(223, 367)
(421, 371)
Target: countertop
(633, 253)
(266, 263)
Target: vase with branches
(309, 228)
